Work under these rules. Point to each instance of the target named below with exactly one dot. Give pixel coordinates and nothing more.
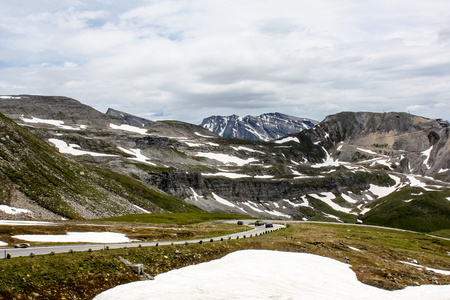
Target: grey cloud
(186, 62)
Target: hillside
(47, 185)
(332, 172)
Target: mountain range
(60, 158)
(265, 127)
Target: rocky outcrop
(129, 118)
(422, 144)
(180, 184)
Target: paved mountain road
(41, 250)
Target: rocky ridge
(265, 127)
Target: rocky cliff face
(410, 144)
(258, 128)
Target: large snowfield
(264, 274)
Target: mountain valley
(67, 160)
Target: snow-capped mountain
(265, 127)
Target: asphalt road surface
(41, 250)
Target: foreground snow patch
(76, 237)
(264, 274)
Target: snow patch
(444, 272)
(263, 176)
(367, 151)
(227, 174)
(348, 198)
(427, 158)
(57, 123)
(76, 237)
(144, 210)
(205, 136)
(265, 274)
(382, 191)
(193, 144)
(415, 182)
(195, 195)
(14, 210)
(327, 197)
(65, 148)
(138, 156)
(129, 128)
(253, 206)
(354, 249)
(246, 149)
(329, 162)
(287, 139)
(227, 159)
(223, 201)
(2, 244)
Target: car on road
(240, 222)
(22, 245)
(259, 223)
(269, 225)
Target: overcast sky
(187, 60)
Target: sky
(187, 60)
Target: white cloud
(190, 59)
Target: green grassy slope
(413, 209)
(56, 183)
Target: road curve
(42, 250)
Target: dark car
(269, 225)
(259, 223)
(240, 222)
(22, 245)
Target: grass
(136, 227)
(43, 175)
(175, 218)
(412, 209)
(84, 275)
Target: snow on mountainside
(265, 127)
(352, 167)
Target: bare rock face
(129, 118)
(422, 143)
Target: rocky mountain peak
(265, 127)
(129, 118)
